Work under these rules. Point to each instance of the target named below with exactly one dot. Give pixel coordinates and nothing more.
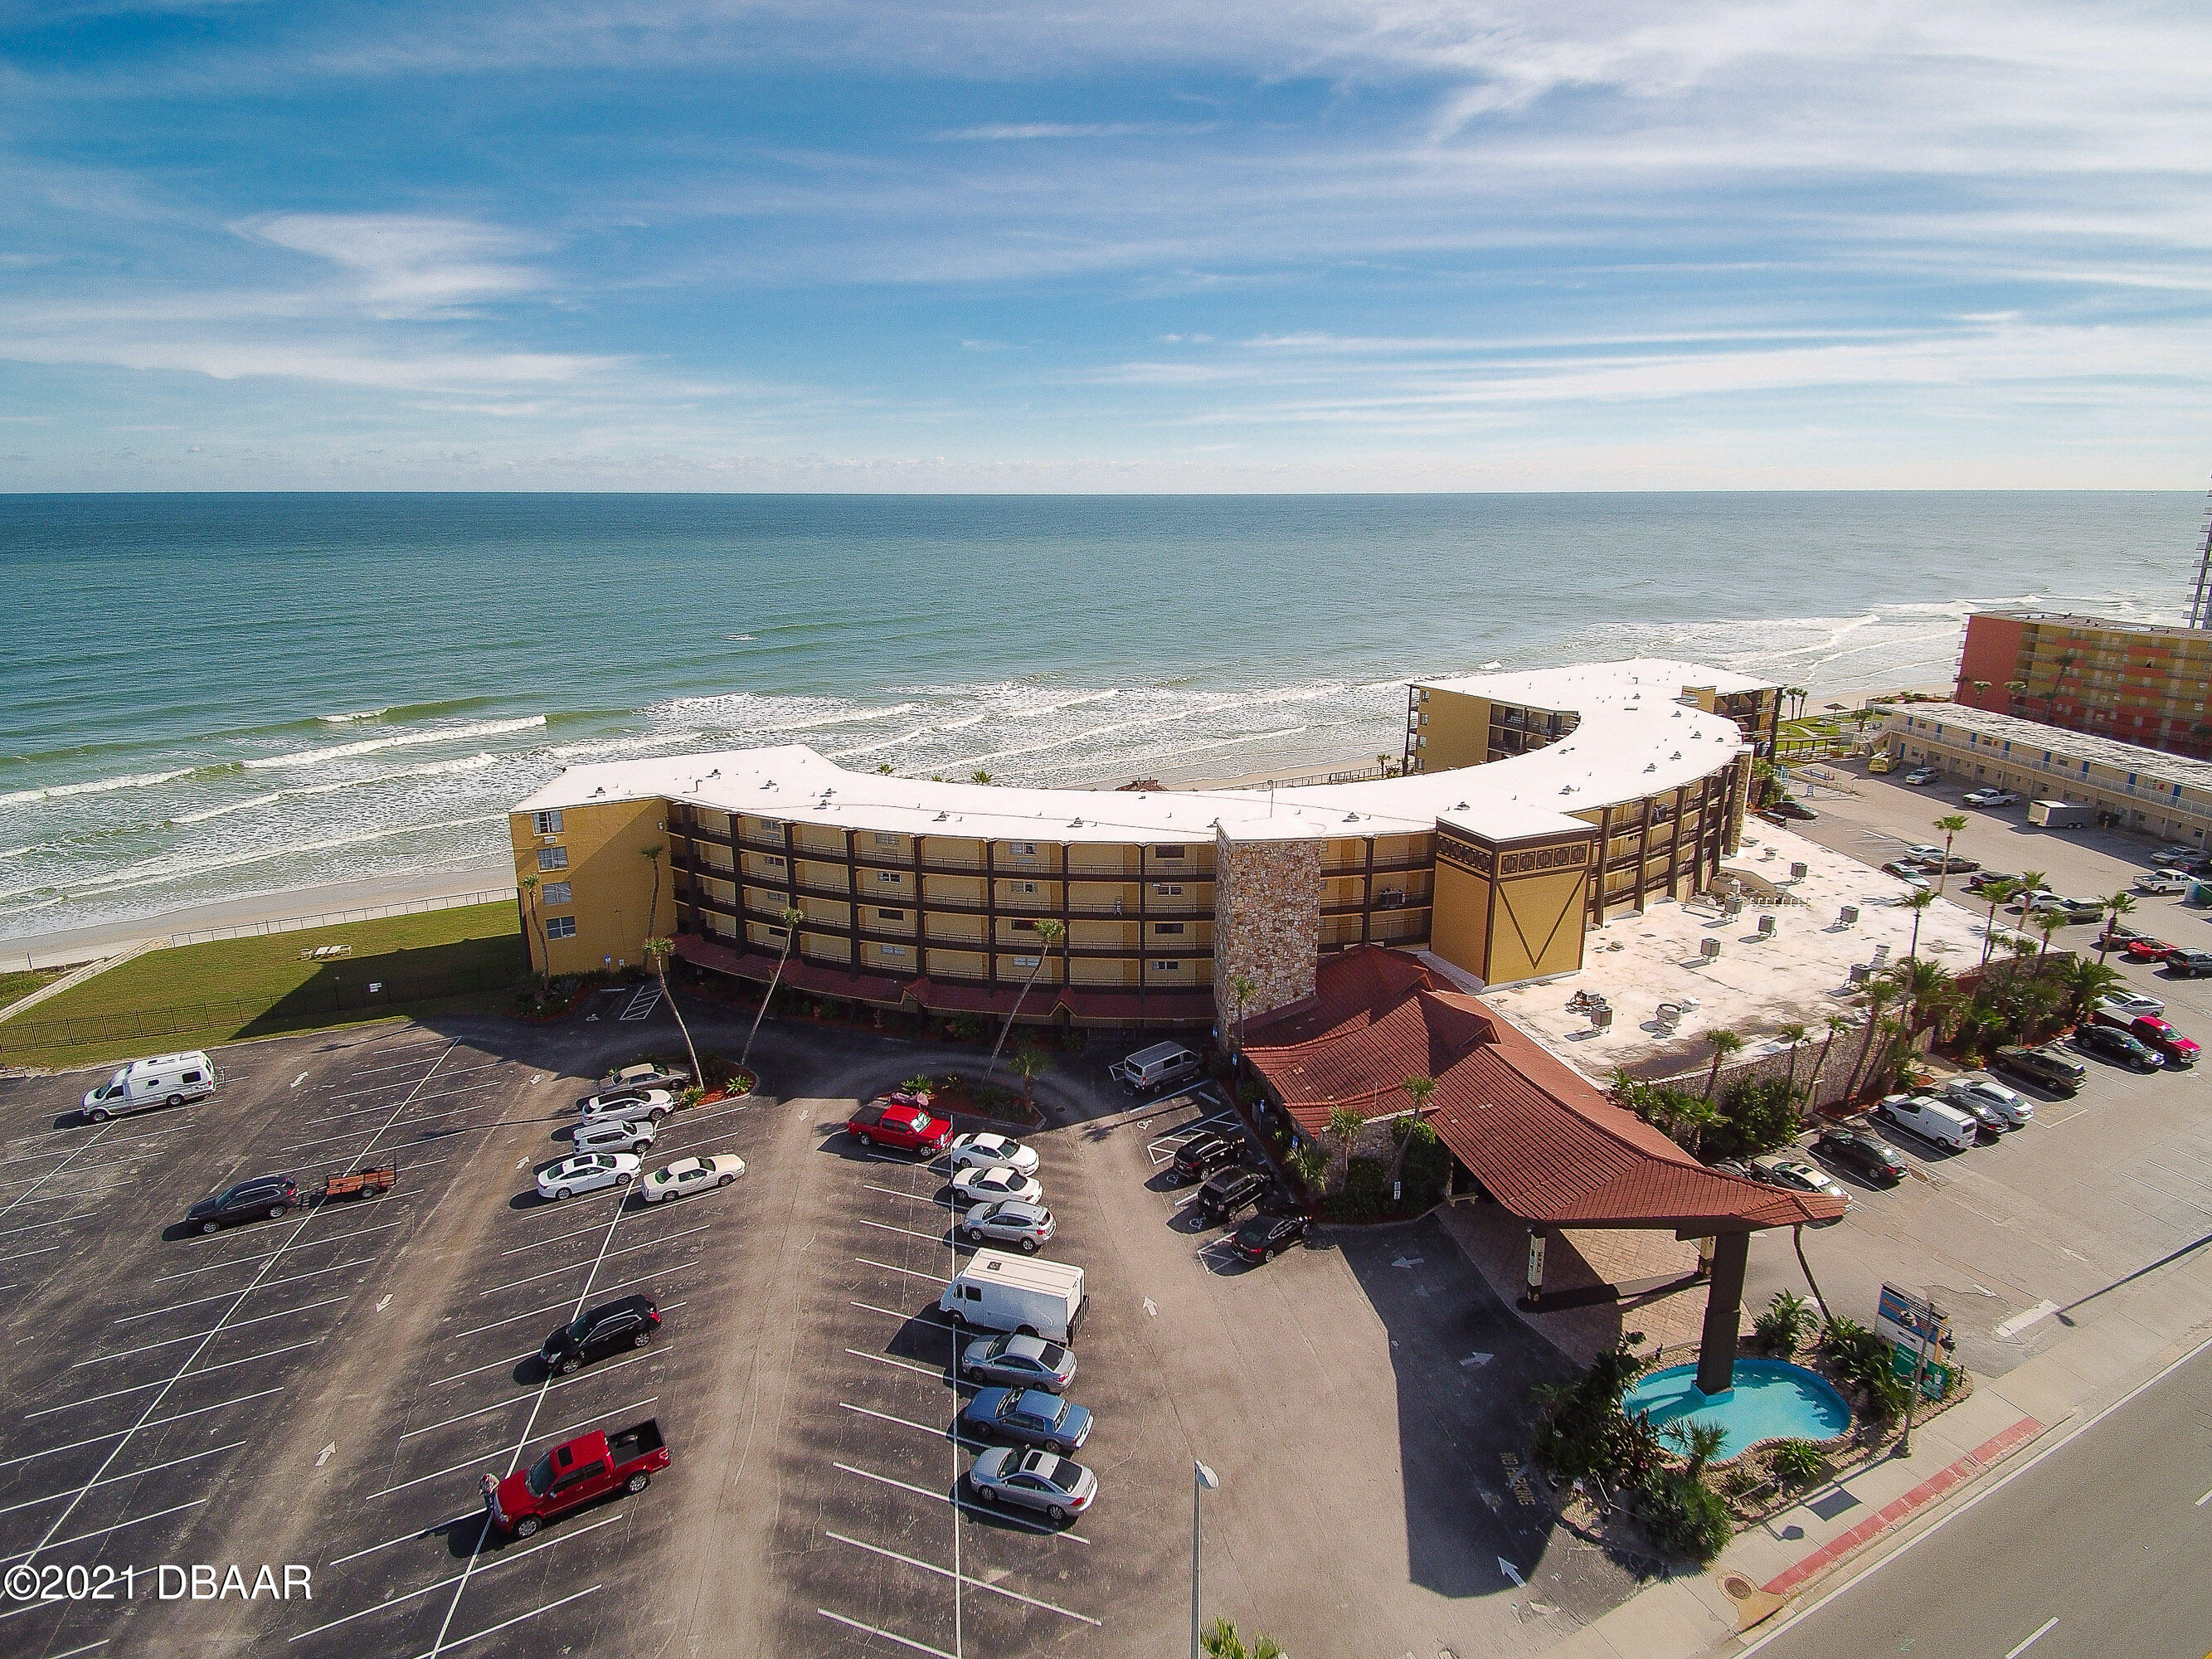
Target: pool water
(1772, 1400)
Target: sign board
(1909, 1321)
(1934, 1376)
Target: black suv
(1861, 1153)
(1230, 1192)
(628, 1323)
(269, 1195)
(1201, 1155)
(2110, 1042)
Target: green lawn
(199, 994)
(14, 988)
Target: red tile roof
(1547, 1143)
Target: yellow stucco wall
(1536, 924)
(610, 880)
(1461, 931)
(1457, 728)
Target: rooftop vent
(939, 819)
(1651, 766)
(716, 773)
(1462, 807)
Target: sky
(1022, 244)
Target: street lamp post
(1201, 1480)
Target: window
(1167, 852)
(552, 858)
(771, 863)
(1167, 927)
(1024, 927)
(775, 935)
(1026, 962)
(890, 877)
(1022, 849)
(1022, 889)
(771, 826)
(560, 928)
(891, 951)
(1168, 889)
(557, 892)
(1164, 966)
(884, 840)
(890, 915)
(549, 823)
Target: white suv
(614, 1134)
(1009, 1221)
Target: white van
(164, 1080)
(1160, 1066)
(997, 1291)
(1929, 1118)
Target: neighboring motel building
(2143, 789)
(1495, 852)
(2135, 681)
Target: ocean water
(213, 695)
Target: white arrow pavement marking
(298, 1081)
(1151, 1309)
(2020, 1321)
(1477, 1359)
(327, 1454)
(1510, 1571)
(383, 1304)
(522, 1163)
(1408, 1262)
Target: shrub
(1786, 1323)
(1796, 1462)
(1757, 1116)
(1740, 1480)
(1426, 1171)
(964, 1028)
(1886, 1393)
(1310, 1164)
(1366, 1191)
(1858, 1351)
(1581, 1429)
(1684, 1516)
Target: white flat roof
(1634, 739)
(1559, 688)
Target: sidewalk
(1767, 1571)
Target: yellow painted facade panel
(599, 851)
(1536, 924)
(1460, 929)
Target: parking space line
(88, 1647)
(620, 1285)
(520, 1249)
(129, 1474)
(909, 1423)
(979, 1584)
(516, 1400)
(897, 1192)
(397, 1123)
(235, 1325)
(409, 1595)
(627, 1249)
(961, 1502)
(239, 1261)
(34, 1227)
(336, 1267)
(82, 1169)
(903, 1364)
(44, 1249)
(140, 1387)
(492, 1365)
(68, 1197)
(378, 1088)
(894, 1313)
(888, 1635)
(557, 1434)
(57, 1169)
(911, 1272)
(102, 1531)
(934, 1238)
(443, 1646)
(127, 1141)
(430, 1531)
(124, 1434)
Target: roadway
(2099, 1547)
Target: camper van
(997, 1290)
(164, 1080)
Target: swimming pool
(1772, 1400)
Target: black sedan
(2110, 1042)
(1266, 1236)
(269, 1195)
(1862, 1154)
(630, 1323)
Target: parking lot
(318, 1395)
(2102, 1192)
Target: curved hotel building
(1531, 808)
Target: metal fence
(333, 992)
(332, 918)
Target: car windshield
(1052, 1355)
(579, 1327)
(540, 1477)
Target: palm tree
(1917, 901)
(2121, 903)
(652, 856)
(1222, 1641)
(1418, 1088)
(1794, 1034)
(2016, 691)
(1725, 1043)
(979, 775)
(1700, 1440)
(2047, 926)
(791, 918)
(1343, 1126)
(1797, 1238)
(1028, 1062)
(1240, 986)
(2084, 982)
(1880, 994)
(1048, 931)
(1997, 892)
(1697, 1116)
(1980, 687)
(1838, 1024)
(657, 952)
(530, 884)
(1950, 824)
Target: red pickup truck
(899, 1120)
(575, 1472)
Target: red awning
(1543, 1139)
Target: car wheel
(640, 1340)
(1029, 1246)
(560, 1192)
(276, 1211)
(973, 1235)
(1026, 1330)
(96, 1117)
(624, 1179)
(571, 1365)
(655, 1115)
(988, 1494)
(1055, 1449)
(210, 1226)
(527, 1526)
(725, 1181)
(862, 1138)
(638, 1482)
(959, 1319)
(1056, 1512)
(176, 1100)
